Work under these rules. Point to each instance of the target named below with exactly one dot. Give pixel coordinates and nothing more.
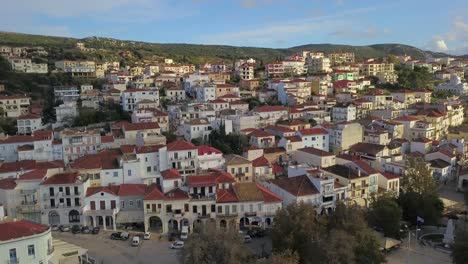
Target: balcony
(13, 261)
(200, 197)
(230, 214)
(251, 214)
(101, 212)
(153, 212)
(61, 206)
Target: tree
(297, 228)
(460, 248)
(418, 178)
(416, 78)
(337, 252)
(286, 257)
(211, 245)
(384, 212)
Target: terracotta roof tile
(180, 145)
(297, 186)
(8, 184)
(61, 178)
(170, 174)
(20, 229)
(313, 131)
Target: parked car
(85, 230)
(76, 229)
(247, 239)
(124, 235)
(136, 241)
(116, 236)
(54, 228)
(96, 230)
(64, 228)
(147, 236)
(177, 245)
(184, 233)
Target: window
(115, 174)
(122, 204)
(220, 209)
(246, 169)
(130, 203)
(260, 207)
(148, 169)
(31, 250)
(138, 203)
(234, 208)
(146, 159)
(129, 172)
(242, 208)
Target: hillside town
(230, 143)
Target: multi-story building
(80, 142)
(246, 71)
(66, 94)
(269, 115)
(38, 147)
(343, 112)
(79, 69)
(28, 123)
(372, 68)
(183, 157)
(210, 158)
(275, 69)
(25, 242)
(14, 105)
(314, 137)
(205, 93)
(26, 65)
(344, 135)
(337, 58)
(239, 167)
(199, 128)
(131, 97)
(62, 198)
(294, 67)
(176, 94)
(318, 64)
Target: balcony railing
(151, 211)
(230, 214)
(24, 209)
(61, 206)
(13, 261)
(60, 194)
(101, 212)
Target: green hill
(108, 48)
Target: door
(13, 257)
(102, 205)
(93, 205)
(113, 204)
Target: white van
(136, 241)
(184, 233)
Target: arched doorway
(223, 223)
(268, 221)
(109, 221)
(74, 216)
(54, 218)
(155, 224)
(173, 225)
(244, 221)
(185, 222)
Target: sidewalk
(417, 254)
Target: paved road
(417, 254)
(107, 251)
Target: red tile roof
(422, 140)
(447, 153)
(17, 166)
(25, 148)
(260, 162)
(20, 229)
(154, 193)
(269, 196)
(37, 174)
(260, 133)
(226, 196)
(107, 189)
(297, 186)
(313, 131)
(208, 150)
(316, 152)
(130, 189)
(270, 108)
(8, 184)
(294, 138)
(29, 116)
(105, 159)
(170, 174)
(176, 194)
(107, 139)
(180, 145)
(406, 118)
(140, 126)
(61, 178)
(202, 180)
(390, 176)
(149, 149)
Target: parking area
(107, 251)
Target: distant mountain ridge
(197, 53)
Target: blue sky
(430, 24)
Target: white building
(65, 113)
(246, 71)
(196, 129)
(26, 65)
(25, 242)
(28, 123)
(66, 93)
(205, 93)
(62, 198)
(454, 86)
(344, 112)
(314, 137)
(14, 105)
(131, 97)
(210, 158)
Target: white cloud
(437, 44)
